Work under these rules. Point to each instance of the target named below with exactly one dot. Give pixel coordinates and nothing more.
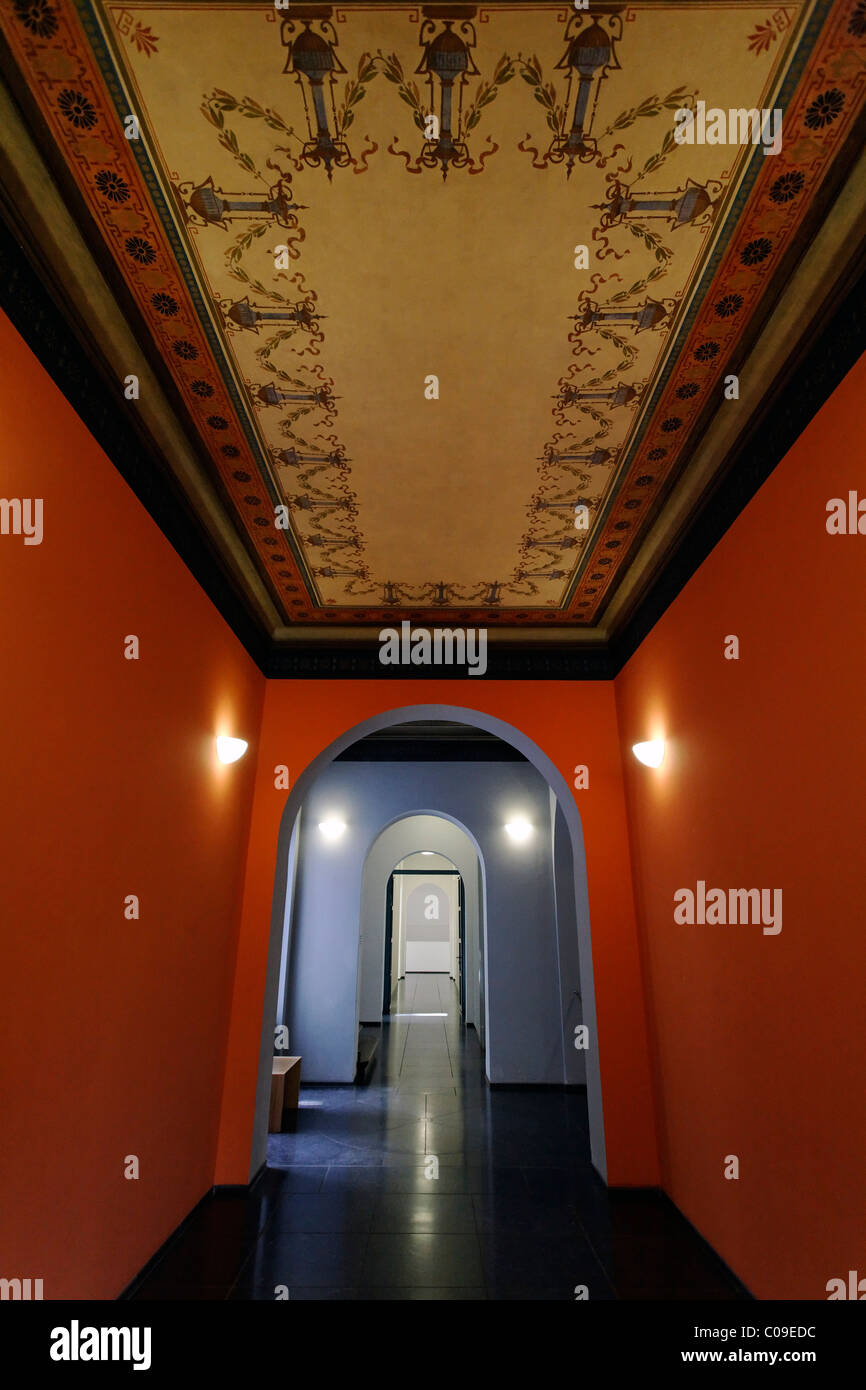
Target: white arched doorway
(452, 841)
(558, 786)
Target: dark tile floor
(425, 1184)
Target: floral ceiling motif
(444, 296)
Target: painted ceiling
(353, 233)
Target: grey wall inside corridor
(330, 962)
(571, 1004)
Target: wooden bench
(285, 1089)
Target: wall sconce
(230, 749)
(519, 828)
(651, 753)
(332, 828)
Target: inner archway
(453, 844)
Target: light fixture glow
(519, 828)
(428, 851)
(230, 749)
(651, 753)
(332, 828)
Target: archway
(452, 841)
(540, 761)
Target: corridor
(426, 1184)
(393, 593)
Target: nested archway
(452, 840)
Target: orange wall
(572, 723)
(757, 1039)
(113, 1031)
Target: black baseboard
(145, 1272)
(618, 1195)
(577, 1088)
(219, 1190)
(626, 1194)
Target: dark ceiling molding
(430, 751)
(835, 348)
(503, 663)
(44, 326)
(27, 302)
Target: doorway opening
(424, 923)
